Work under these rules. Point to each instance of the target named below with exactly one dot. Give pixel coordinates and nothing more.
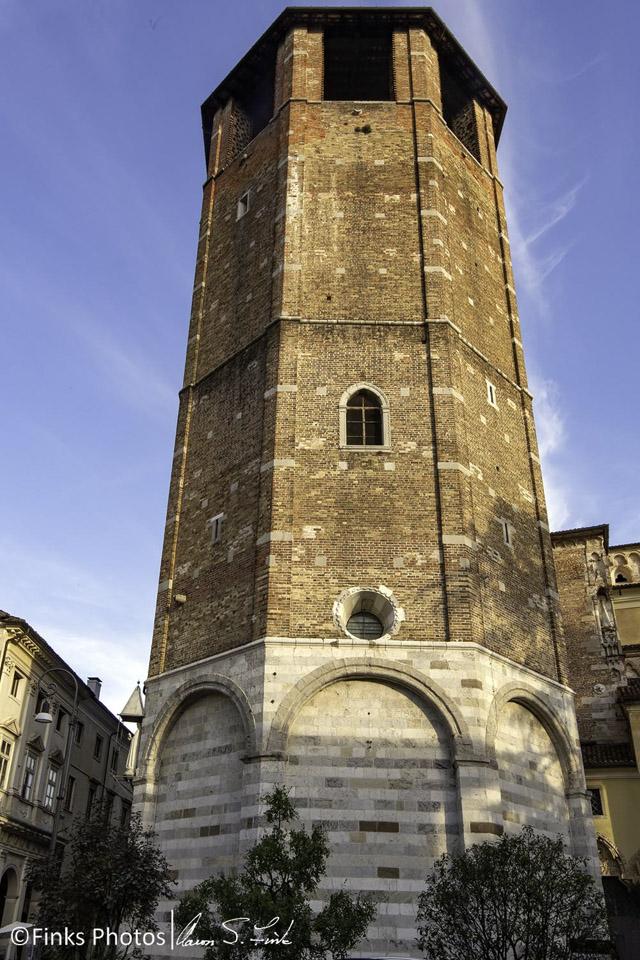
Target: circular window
(367, 613)
(365, 626)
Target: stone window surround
(215, 523)
(378, 600)
(384, 405)
(492, 394)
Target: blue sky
(102, 166)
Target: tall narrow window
(125, 811)
(30, 765)
(216, 527)
(70, 793)
(364, 420)
(91, 800)
(243, 206)
(5, 757)
(50, 788)
(26, 904)
(15, 684)
(97, 748)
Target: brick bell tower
(357, 595)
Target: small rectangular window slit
(243, 206)
(216, 527)
(491, 394)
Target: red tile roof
(608, 755)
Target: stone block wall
(402, 751)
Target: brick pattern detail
(465, 128)
(240, 133)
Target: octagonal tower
(357, 595)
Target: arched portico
(527, 696)
(186, 694)
(384, 671)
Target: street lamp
(44, 715)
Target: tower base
(403, 751)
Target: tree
(264, 910)
(520, 898)
(110, 880)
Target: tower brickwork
(355, 446)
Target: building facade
(357, 595)
(32, 759)
(599, 586)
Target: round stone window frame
(376, 600)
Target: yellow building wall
(626, 606)
(620, 824)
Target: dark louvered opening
(357, 64)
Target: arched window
(364, 418)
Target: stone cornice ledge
(368, 646)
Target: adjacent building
(357, 594)
(32, 757)
(599, 586)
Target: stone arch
(370, 754)
(611, 864)
(356, 387)
(360, 668)
(195, 775)
(188, 693)
(9, 893)
(634, 562)
(527, 696)
(621, 572)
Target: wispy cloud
(559, 482)
(480, 39)
(533, 263)
(555, 211)
(547, 73)
(549, 419)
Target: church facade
(357, 595)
